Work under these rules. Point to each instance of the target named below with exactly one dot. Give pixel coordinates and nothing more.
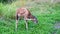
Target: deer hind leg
(17, 18)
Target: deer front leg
(26, 23)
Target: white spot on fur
(18, 14)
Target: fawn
(25, 13)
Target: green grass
(46, 14)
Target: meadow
(46, 13)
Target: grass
(46, 14)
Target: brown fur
(24, 13)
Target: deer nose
(36, 22)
